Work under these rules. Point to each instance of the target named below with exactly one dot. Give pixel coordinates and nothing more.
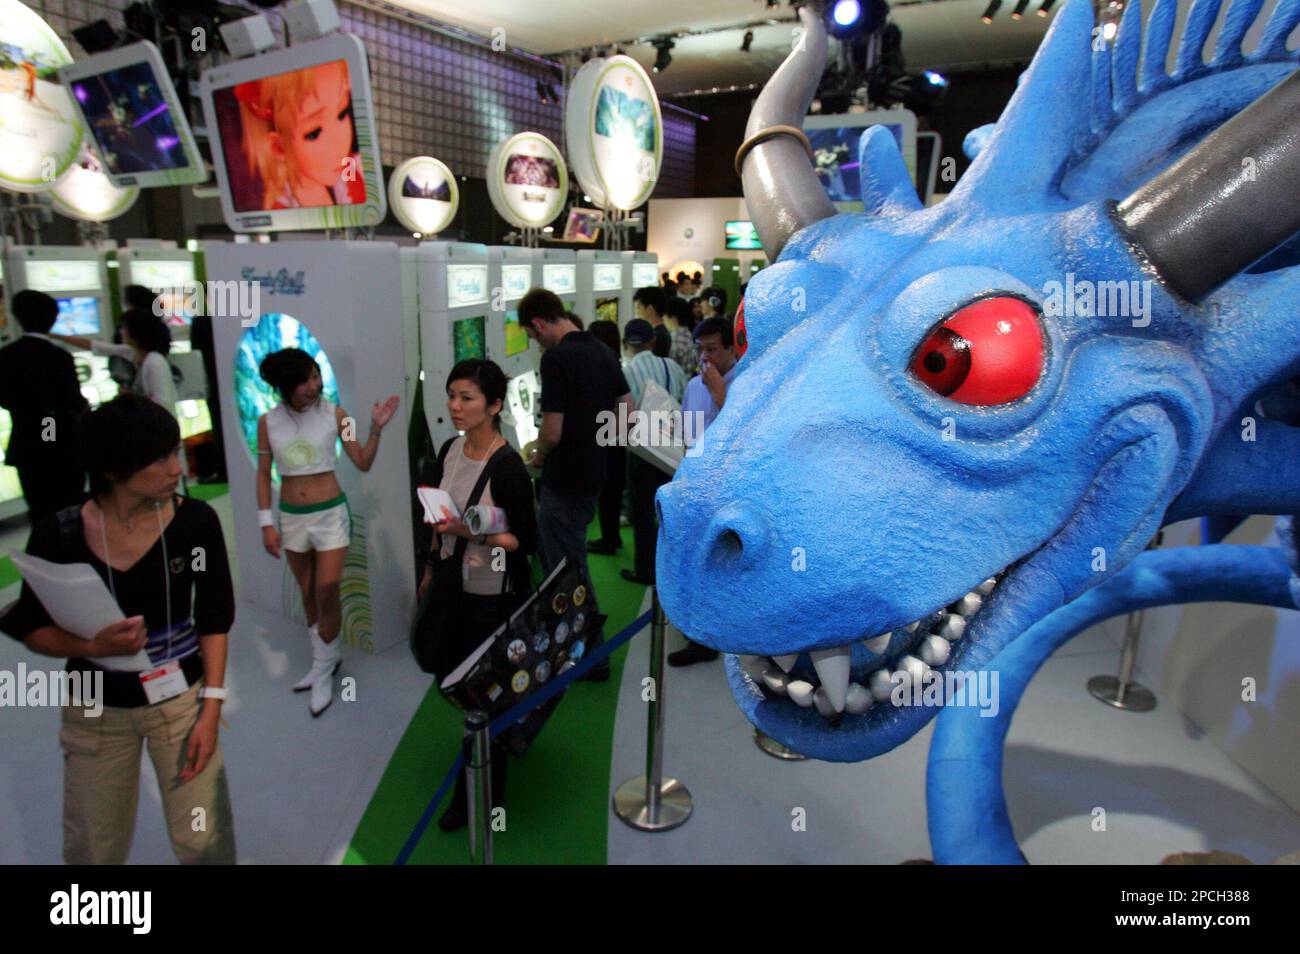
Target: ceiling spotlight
(847, 19)
(749, 39)
(992, 10)
(1045, 8)
(1019, 11)
(663, 44)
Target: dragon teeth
(776, 681)
(754, 667)
(786, 662)
(935, 651)
(800, 692)
(911, 627)
(968, 605)
(878, 644)
(832, 667)
(952, 628)
(985, 588)
(857, 700)
(881, 685)
(822, 702)
(914, 668)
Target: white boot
(327, 664)
(303, 684)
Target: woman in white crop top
(315, 524)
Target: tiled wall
(434, 93)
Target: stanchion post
(650, 802)
(1123, 692)
(478, 786)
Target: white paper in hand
(434, 500)
(78, 601)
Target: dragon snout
(705, 546)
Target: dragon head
(949, 421)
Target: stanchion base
(775, 749)
(674, 804)
(1137, 698)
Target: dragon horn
(1227, 203)
(775, 161)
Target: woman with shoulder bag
(494, 574)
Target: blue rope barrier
(512, 715)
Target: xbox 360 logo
(690, 233)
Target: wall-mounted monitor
(743, 235)
(78, 315)
(294, 140)
(133, 115)
(835, 142)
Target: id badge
(165, 682)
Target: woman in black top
(163, 558)
(476, 392)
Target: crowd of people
(140, 535)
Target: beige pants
(101, 783)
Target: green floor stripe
(206, 491)
(556, 797)
(8, 572)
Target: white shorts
(323, 526)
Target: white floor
(1164, 787)
(298, 785)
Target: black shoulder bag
(434, 641)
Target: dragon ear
(887, 187)
(1045, 120)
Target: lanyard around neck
(167, 580)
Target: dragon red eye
(739, 336)
(990, 352)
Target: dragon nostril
(729, 544)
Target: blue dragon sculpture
(955, 429)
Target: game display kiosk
(171, 274)
(513, 271)
(455, 309)
(559, 274)
(601, 284)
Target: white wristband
(213, 692)
(266, 518)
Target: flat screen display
(131, 120)
(468, 338)
(290, 140)
(516, 337)
(607, 309)
(77, 316)
(742, 235)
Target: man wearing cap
(643, 477)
